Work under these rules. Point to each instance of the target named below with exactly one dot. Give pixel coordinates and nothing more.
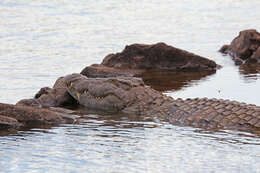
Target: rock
(250, 71)
(224, 49)
(238, 61)
(245, 48)
(256, 54)
(8, 122)
(138, 58)
(50, 97)
(44, 90)
(19, 115)
(101, 71)
(29, 102)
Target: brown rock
(27, 115)
(158, 56)
(44, 90)
(137, 58)
(224, 49)
(99, 70)
(245, 48)
(8, 122)
(50, 97)
(249, 70)
(256, 54)
(29, 102)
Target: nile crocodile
(130, 96)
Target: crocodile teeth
(71, 84)
(78, 95)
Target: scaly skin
(131, 96)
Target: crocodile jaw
(108, 95)
(109, 103)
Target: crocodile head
(103, 94)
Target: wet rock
(50, 97)
(224, 49)
(245, 48)
(101, 71)
(19, 115)
(250, 71)
(256, 54)
(138, 58)
(29, 102)
(44, 90)
(8, 122)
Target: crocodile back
(217, 113)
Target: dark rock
(50, 97)
(238, 61)
(8, 122)
(19, 115)
(245, 48)
(250, 71)
(256, 54)
(138, 58)
(224, 49)
(29, 102)
(101, 71)
(44, 90)
(158, 56)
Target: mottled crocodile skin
(215, 113)
(131, 96)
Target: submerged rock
(245, 48)
(138, 58)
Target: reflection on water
(101, 144)
(250, 71)
(171, 81)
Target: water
(43, 40)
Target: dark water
(43, 40)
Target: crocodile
(129, 95)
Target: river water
(43, 40)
